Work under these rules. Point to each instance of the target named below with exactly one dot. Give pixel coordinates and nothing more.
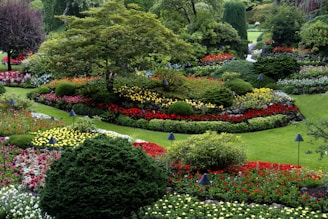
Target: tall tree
(20, 28)
(52, 8)
(112, 40)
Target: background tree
(20, 28)
(285, 23)
(314, 35)
(112, 40)
(51, 8)
(235, 14)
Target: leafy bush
(180, 108)
(2, 89)
(85, 110)
(22, 141)
(102, 178)
(239, 86)
(65, 88)
(245, 68)
(220, 96)
(43, 90)
(85, 124)
(227, 76)
(209, 151)
(278, 67)
(125, 120)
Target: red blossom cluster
(216, 58)
(151, 148)
(283, 49)
(137, 113)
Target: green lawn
(275, 145)
(252, 36)
(5, 67)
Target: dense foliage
(102, 178)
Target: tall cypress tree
(235, 14)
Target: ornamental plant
(103, 178)
(209, 151)
(8, 173)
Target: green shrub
(220, 96)
(102, 178)
(227, 76)
(85, 124)
(65, 88)
(22, 141)
(125, 120)
(43, 90)
(180, 108)
(85, 110)
(2, 89)
(209, 151)
(239, 86)
(142, 123)
(278, 67)
(245, 68)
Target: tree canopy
(112, 39)
(20, 28)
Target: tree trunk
(9, 60)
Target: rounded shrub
(2, 89)
(102, 178)
(221, 96)
(239, 86)
(244, 67)
(209, 151)
(181, 108)
(65, 88)
(22, 141)
(43, 90)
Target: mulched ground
(318, 192)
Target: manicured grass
(274, 145)
(252, 36)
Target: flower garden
(247, 190)
(251, 190)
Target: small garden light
(12, 102)
(52, 140)
(298, 139)
(171, 137)
(205, 182)
(165, 82)
(72, 114)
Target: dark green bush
(2, 89)
(22, 141)
(180, 108)
(239, 86)
(278, 67)
(65, 88)
(85, 110)
(142, 123)
(220, 96)
(125, 120)
(209, 151)
(227, 76)
(174, 78)
(245, 68)
(102, 178)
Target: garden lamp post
(72, 114)
(205, 182)
(52, 141)
(298, 139)
(12, 102)
(171, 137)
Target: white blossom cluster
(15, 203)
(306, 82)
